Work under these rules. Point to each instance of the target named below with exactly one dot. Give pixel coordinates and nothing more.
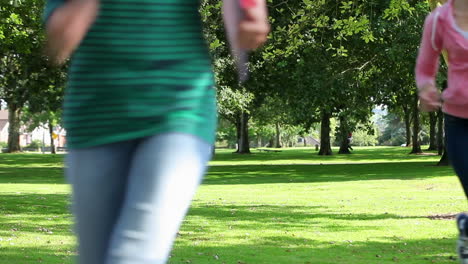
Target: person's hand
(429, 98)
(254, 28)
(67, 26)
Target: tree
(21, 58)
(325, 58)
(399, 92)
(365, 136)
(227, 83)
(393, 133)
(432, 131)
(48, 120)
(440, 132)
(416, 149)
(275, 113)
(304, 30)
(233, 106)
(343, 136)
(325, 144)
(444, 160)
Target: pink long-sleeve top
(248, 3)
(442, 33)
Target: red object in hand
(248, 3)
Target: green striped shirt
(142, 69)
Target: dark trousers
(456, 130)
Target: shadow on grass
(284, 218)
(284, 214)
(259, 174)
(32, 175)
(306, 251)
(390, 154)
(290, 251)
(39, 254)
(34, 203)
(22, 159)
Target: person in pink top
(446, 28)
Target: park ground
(377, 205)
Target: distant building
(40, 133)
(4, 126)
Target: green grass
(373, 206)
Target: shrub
(35, 144)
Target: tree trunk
(344, 146)
(278, 136)
(444, 160)
(416, 128)
(407, 117)
(442, 148)
(271, 142)
(432, 131)
(343, 136)
(238, 131)
(440, 132)
(244, 147)
(14, 128)
(52, 143)
(325, 145)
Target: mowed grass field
(377, 205)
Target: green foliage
(335, 57)
(226, 133)
(392, 130)
(26, 79)
(21, 55)
(362, 137)
(338, 58)
(231, 102)
(262, 134)
(35, 144)
(393, 133)
(398, 8)
(32, 120)
(290, 135)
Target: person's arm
(254, 28)
(66, 25)
(427, 65)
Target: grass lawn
(374, 206)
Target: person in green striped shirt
(140, 115)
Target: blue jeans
(456, 130)
(129, 198)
